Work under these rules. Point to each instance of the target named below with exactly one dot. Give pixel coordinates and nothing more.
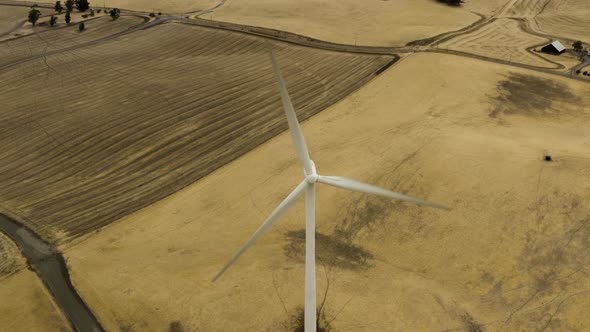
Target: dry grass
(373, 22)
(168, 6)
(485, 7)
(575, 27)
(10, 15)
(511, 255)
(503, 39)
(11, 259)
(26, 305)
(109, 129)
(560, 18)
(527, 8)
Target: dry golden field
(25, 305)
(93, 134)
(502, 39)
(51, 40)
(10, 16)
(512, 255)
(371, 22)
(10, 258)
(560, 18)
(485, 7)
(527, 8)
(167, 7)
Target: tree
(68, 17)
(578, 46)
(34, 15)
(58, 8)
(70, 5)
(82, 5)
(52, 20)
(81, 26)
(452, 2)
(115, 13)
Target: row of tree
(81, 5)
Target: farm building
(555, 47)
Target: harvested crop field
(560, 18)
(502, 39)
(371, 22)
(112, 128)
(527, 8)
(576, 27)
(62, 38)
(512, 255)
(10, 258)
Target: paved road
(583, 64)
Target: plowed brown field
(93, 134)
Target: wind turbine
(311, 177)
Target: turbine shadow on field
(530, 96)
(331, 251)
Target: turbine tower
(311, 177)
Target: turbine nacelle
(311, 177)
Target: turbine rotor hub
(311, 178)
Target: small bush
(91, 12)
(68, 18)
(452, 2)
(159, 13)
(115, 13)
(152, 15)
(82, 5)
(52, 20)
(81, 26)
(98, 11)
(578, 71)
(85, 16)
(34, 15)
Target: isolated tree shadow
(331, 251)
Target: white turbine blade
(294, 127)
(353, 185)
(275, 215)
